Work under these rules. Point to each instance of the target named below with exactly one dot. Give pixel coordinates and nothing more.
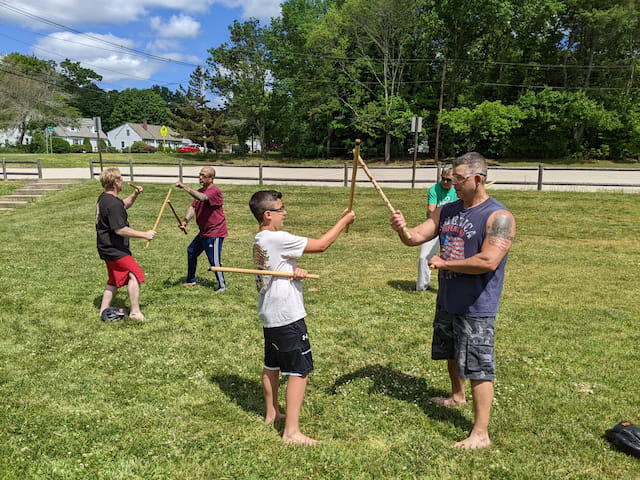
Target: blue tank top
(462, 232)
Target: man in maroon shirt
(208, 208)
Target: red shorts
(119, 271)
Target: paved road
(524, 178)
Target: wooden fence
(534, 177)
(407, 176)
(21, 171)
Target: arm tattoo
(499, 234)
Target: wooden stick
(258, 272)
(404, 233)
(490, 183)
(132, 185)
(354, 174)
(164, 204)
(177, 216)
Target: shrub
(86, 145)
(37, 144)
(78, 149)
(60, 145)
(141, 147)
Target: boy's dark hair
(262, 201)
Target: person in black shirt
(113, 234)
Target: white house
(75, 135)
(11, 136)
(125, 135)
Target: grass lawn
(179, 397)
(8, 186)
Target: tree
(561, 123)
(242, 78)
(133, 105)
(485, 128)
(172, 98)
(308, 117)
(369, 38)
(31, 94)
(75, 76)
(84, 95)
(193, 116)
(598, 32)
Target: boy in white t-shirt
(281, 308)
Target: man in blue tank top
(476, 233)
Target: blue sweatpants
(213, 247)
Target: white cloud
(110, 61)
(260, 9)
(171, 29)
(118, 12)
(78, 12)
(178, 26)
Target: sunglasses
(446, 179)
(281, 209)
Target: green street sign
(51, 129)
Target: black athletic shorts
(287, 349)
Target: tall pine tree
(193, 116)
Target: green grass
(178, 397)
(8, 186)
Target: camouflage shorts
(468, 340)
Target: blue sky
(131, 43)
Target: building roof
(83, 129)
(152, 132)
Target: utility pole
(98, 125)
(437, 147)
(416, 128)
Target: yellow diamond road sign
(163, 130)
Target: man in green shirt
(439, 194)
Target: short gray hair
(474, 160)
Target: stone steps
(32, 190)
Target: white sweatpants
(427, 250)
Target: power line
(57, 55)
(119, 47)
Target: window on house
(127, 133)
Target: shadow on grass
(402, 285)
(201, 282)
(407, 388)
(409, 286)
(119, 301)
(247, 394)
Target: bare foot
(270, 419)
(137, 316)
(474, 442)
(189, 284)
(447, 401)
(299, 439)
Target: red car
(191, 148)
